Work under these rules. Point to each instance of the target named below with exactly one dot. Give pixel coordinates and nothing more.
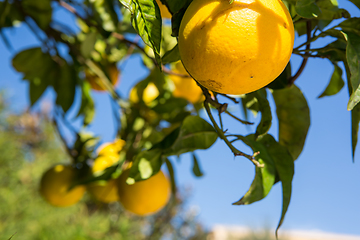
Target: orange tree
(161, 124)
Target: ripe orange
(144, 197)
(55, 184)
(95, 82)
(103, 191)
(236, 48)
(106, 191)
(185, 87)
(149, 94)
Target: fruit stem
(221, 134)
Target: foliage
(26, 215)
(168, 125)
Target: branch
(303, 64)
(221, 134)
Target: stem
(303, 64)
(235, 151)
(238, 119)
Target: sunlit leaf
(147, 22)
(355, 120)
(146, 164)
(294, 118)
(87, 46)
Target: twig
(238, 119)
(221, 134)
(303, 64)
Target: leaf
(39, 10)
(336, 83)
(38, 68)
(172, 176)
(264, 177)
(294, 119)
(307, 8)
(87, 46)
(196, 168)
(355, 120)
(64, 87)
(356, 3)
(87, 108)
(353, 60)
(146, 20)
(145, 165)
(9, 15)
(330, 11)
(177, 8)
(266, 117)
(277, 160)
(194, 133)
(171, 56)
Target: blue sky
(326, 185)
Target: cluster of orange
(142, 198)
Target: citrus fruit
(149, 94)
(163, 10)
(185, 87)
(55, 184)
(236, 48)
(103, 191)
(94, 80)
(111, 148)
(144, 197)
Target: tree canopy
(153, 121)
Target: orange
(144, 197)
(55, 184)
(185, 87)
(149, 94)
(112, 148)
(95, 82)
(236, 48)
(163, 10)
(106, 191)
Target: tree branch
(303, 64)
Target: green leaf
(172, 176)
(294, 119)
(356, 3)
(39, 10)
(353, 60)
(196, 168)
(171, 56)
(277, 160)
(177, 8)
(9, 15)
(336, 83)
(264, 177)
(330, 11)
(266, 117)
(146, 164)
(355, 120)
(87, 108)
(307, 8)
(64, 87)
(147, 22)
(171, 104)
(194, 133)
(87, 46)
(38, 68)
